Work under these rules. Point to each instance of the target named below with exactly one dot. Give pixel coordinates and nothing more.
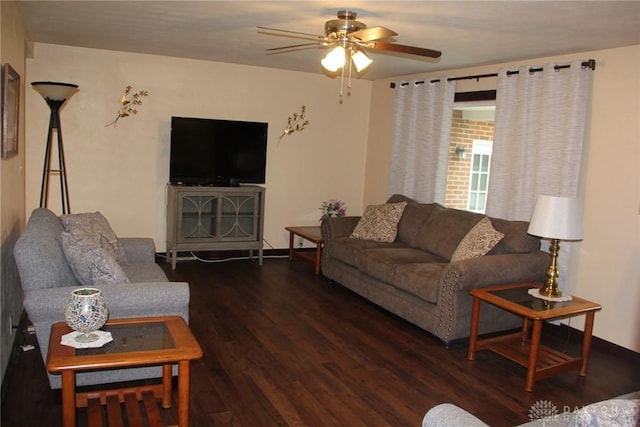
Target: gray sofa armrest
(332, 228)
(139, 249)
(449, 415)
(496, 270)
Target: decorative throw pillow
(379, 222)
(91, 264)
(93, 225)
(478, 241)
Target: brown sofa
(413, 276)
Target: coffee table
(540, 361)
(312, 234)
(141, 341)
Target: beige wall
(122, 171)
(606, 265)
(343, 154)
(12, 51)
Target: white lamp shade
(361, 60)
(334, 59)
(557, 218)
(54, 91)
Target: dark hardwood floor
(283, 347)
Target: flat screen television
(217, 152)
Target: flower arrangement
(333, 208)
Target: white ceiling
(468, 33)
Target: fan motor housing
(345, 24)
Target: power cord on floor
(219, 260)
(197, 258)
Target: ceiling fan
(350, 39)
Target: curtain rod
(590, 63)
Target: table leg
(473, 335)
(318, 257)
(184, 376)
(68, 399)
(533, 354)
(166, 386)
(291, 245)
(586, 341)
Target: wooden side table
(136, 342)
(312, 234)
(540, 361)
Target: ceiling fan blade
(293, 46)
(293, 49)
(307, 35)
(411, 50)
(373, 33)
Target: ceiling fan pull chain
(341, 83)
(349, 81)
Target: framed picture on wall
(10, 111)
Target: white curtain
(420, 139)
(540, 127)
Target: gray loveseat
(413, 276)
(47, 281)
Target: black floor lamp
(55, 94)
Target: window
(479, 179)
(471, 131)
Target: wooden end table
(136, 342)
(540, 361)
(312, 234)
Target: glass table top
(133, 337)
(521, 297)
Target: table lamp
(55, 94)
(555, 218)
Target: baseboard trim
(563, 331)
(266, 253)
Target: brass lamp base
(550, 288)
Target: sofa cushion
(478, 241)
(143, 272)
(95, 226)
(421, 280)
(516, 239)
(379, 222)
(382, 262)
(442, 232)
(39, 256)
(413, 218)
(351, 251)
(92, 264)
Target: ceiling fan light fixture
(360, 60)
(334, 59)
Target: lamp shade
(556, 218)
(361, 60)
(54, 91)
(334, 59)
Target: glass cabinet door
(198, 217)
(238, 217)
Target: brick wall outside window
(463, 132)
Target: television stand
(214, 219)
